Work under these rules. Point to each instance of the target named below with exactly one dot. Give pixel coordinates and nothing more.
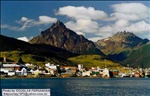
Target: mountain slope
(32, 53)
(139, 57)
(60, 36)
(120, 42)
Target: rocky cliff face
(121, 41)
(60, 36)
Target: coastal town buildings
(15, 69)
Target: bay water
(83, 86)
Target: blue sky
(93, 19)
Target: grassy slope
(94, 61)
(33, 58)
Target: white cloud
(120, 25)
(130, 11)
(27, 23)
(80, 33)
(24, 38)
(45, 20)
(83, 25)
(24, 19)
(84, 18)
(30, 22)
(82, 13)
(94, 39)
(132, 17)
(139, 27)
(5, 26)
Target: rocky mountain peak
(60, 36)
(57, 27)
(124, 36)
(119, 42)
(59, 23)
(124, 33)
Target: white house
(24, 72)
(51, 66)
(11, 73)
(86, 73)
(104, 73)
(5, 70)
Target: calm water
(84, 86)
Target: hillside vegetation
(93, 61)
(32, 53)
(139, 57)
(33, 58)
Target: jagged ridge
(60, 36)
(119, 42)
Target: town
(12, 69)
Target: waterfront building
(86, 73)
(12, 66)
(7, 72)
(51, 66)
(23, 72)
(80, 67)
(95, 71)
(104, 73)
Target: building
(12, 66)
(104, 73)
(51, 66)
(86, 73)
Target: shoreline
(61, 77)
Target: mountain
(32, 53)
(126, 48)
(120, 42)
(139, 57)
(60, 36)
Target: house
(80, 67)
(11, 73)
(13, 66)
(7, 71)
(104, 73)
(86, 73)
(4, 71)
(18, 72)
(95, 71)
(24, 72)
(51, 66)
